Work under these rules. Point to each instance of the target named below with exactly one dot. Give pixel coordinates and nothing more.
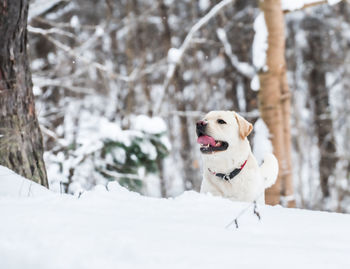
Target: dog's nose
(201, 124)
(200, 130)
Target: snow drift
(115, 228)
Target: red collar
(231, 175)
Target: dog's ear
(244, 126)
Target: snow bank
(114, 228)
(13, 185)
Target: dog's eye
(220, 121)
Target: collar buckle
(226, 177)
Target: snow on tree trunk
(274, 101)
(21, 146)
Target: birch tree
(274, 100)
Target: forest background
(118, 94)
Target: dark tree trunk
(21, 145)
(317, 35)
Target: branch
(121, 175)
(39, 7)
(197, 114)
(63, 24)
(58, 31)
(98, 66)
(255, 211)
(44, 82)
(309, 3)
(180, 52)
(244, 69)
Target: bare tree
(21, 146)
(315, 55)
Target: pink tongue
(205, 139)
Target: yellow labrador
(230, 169)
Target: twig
(119, 175)
(80, 194)
(255, 211)
(30, 189)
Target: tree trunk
(274, 101)
(21, 145)
(320, 98)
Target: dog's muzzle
(208, 143)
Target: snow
(203, 4)
(292, 5)
(115, 228)
(74, 21)
(333, 2)
(260, 44)
(155, 125)
(13, 185)
(255, 83)
(296, 4)
(262, 142)
(174, 55)
(216, 65)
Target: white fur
(250, 183)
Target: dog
(229, 168)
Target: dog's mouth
(210, 145)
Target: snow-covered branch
(38, 7)
(244, 69)
(117, 175)
(293, 5)
(41, 31)
(175, 55)
(96, 65)
(44, 82)
(198, 114)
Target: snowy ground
(121, 229)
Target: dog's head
(221, 131)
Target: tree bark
(274, 101)
(21, 145)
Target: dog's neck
(227, 161)
(230, 175)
